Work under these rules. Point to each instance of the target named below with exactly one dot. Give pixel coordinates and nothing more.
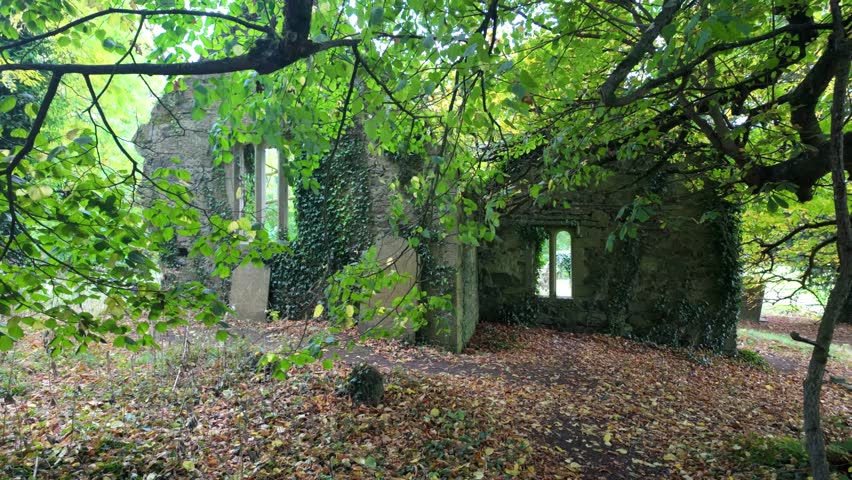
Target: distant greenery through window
(560, 270)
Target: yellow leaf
(769, 387)
(233, 227)
(188, 465)
(37, 192)
(434, 412)
(516, 469)
(622, 451)
(489, 451)
(318, 311)
(669, 457)
(244, 223)
(608, 439)
(350, 311)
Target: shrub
(752, 358)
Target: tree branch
(792, 233)
(617, 77)
(38, 122)
(265, 59)
(639, 50)
(130, 11)
(795, 336)
(297, 20)
(812, 257)
(804, 98)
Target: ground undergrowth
(519, 403)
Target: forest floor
(518, 403)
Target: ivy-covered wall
(676, 283)
(334, 223)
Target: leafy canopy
(728, 94)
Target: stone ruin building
(676, 283)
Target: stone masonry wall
(674, 265)
(172, 139)
(451, 268)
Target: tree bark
(839, 298)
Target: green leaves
(6, 343)
(7, 103)
(377, 16)
(774, 201)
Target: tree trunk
(847, 319)
(839, 298)
(814, 440)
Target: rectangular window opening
(260, 184)
(270, 190)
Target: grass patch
(839, 352)
(786, 456)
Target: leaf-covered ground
(520, 403)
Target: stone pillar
(752, 303)
(551, 260)
(259, 183)
(283, 200)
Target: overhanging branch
(130, 11)
(642, 47)
(267, 59)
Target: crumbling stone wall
(172, 139)
(676, 283)
(444, 267)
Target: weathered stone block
(394, 250)
(250, 292)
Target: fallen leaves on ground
(520, 403)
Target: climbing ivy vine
(333, 218)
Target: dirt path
(557, 431)
(792, 360)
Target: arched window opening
(563, 265)
(555, 266)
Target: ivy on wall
(333, 223)
(622, 286)
(695, 325)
